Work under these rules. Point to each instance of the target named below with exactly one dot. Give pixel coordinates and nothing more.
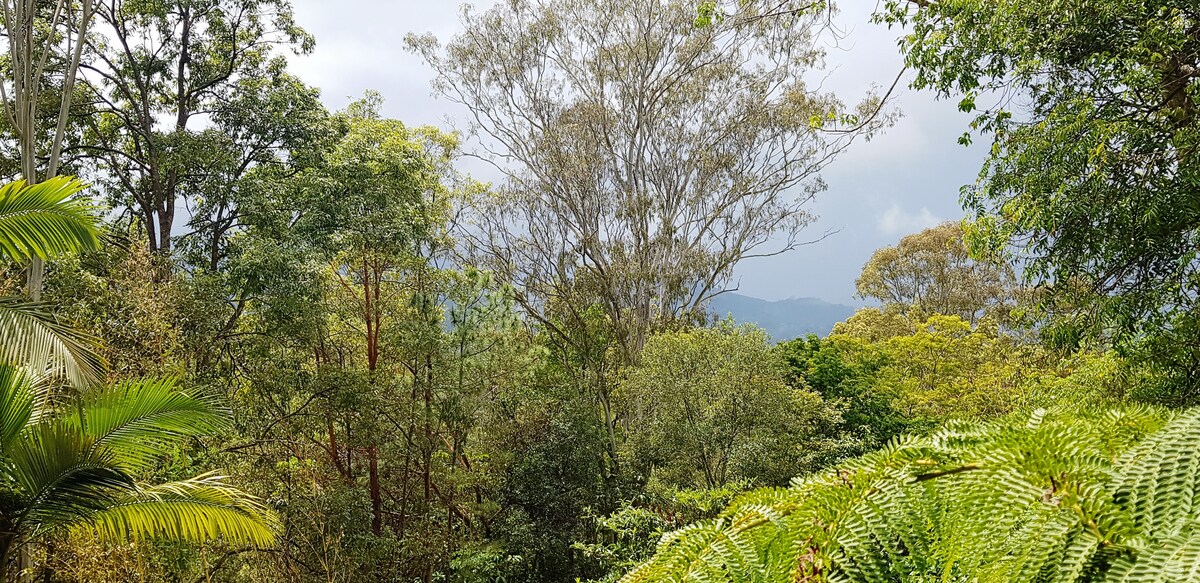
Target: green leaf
(139, 421)
(32, 337)
(45, 220)
(197, 510)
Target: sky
(900, 182)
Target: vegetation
(1047, 497)
(75, 465)
(259, 340)
(932, 272)
(708, 407)
(1092, 149)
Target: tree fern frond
(1057, 496)
(1173, 560)
(1160, 477)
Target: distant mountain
(783, 319)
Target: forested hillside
(246, 336)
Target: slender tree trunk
(37, 266)
(410, 439)
(6, 544)
(333, 447)
(372, 281)
(28, 62)
(428, 445)
(47, 569)
(376, 497)
(610, 423)
(166, 221)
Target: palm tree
(44, 221)
(74, 464)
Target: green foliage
(947, 369)
(554, 481)
(628, 535)
(31, 335)
(710, 406)
(45, 220)
(1047, 497)
(932, 272)
(1092, 169)
(188, 101)
(846, 369)
(433, 381)
(151, 322)
(1164, 367)
(912, 371)
(76, 465)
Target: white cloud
(897, 221)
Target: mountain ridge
(782, 319)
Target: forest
(247, 337)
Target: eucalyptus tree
(645, 156)
(933, 271)
(167, 79)
(269, 127)
(393, 397)
(385, 191)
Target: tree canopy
(934, 273)
(260, 338)
(1091, 108)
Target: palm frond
(45, 220)
(73, 468)
(59, 477)
(199, 509)
(16, 404)
(32, 337)
(139, 421)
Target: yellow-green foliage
(941, 367)
(1044, 497)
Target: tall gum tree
(645, 156)
(933, 272)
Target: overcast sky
(900, 182)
